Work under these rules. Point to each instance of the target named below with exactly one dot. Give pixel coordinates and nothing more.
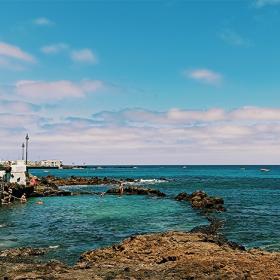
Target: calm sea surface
(72, 225)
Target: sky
(141, 82)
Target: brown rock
(171, 255)
(201, 200)
(131, 190)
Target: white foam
(151, 181)
(53, 246)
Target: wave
(151, 181)
(53, 246)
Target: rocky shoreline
(170, 255)
(202, 253)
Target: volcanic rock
(201, 200)
(131, 190)
(171, 255)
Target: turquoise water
(72, 225)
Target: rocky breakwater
(49, 185)
(201, 200)
(171, 255)
(73, 180)
(132, 190)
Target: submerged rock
(201, 200)
(212, 234)
(131, 190)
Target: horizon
(166, 82)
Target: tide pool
(72, 225)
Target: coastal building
(51, 163)
(15, 172)
(18, 173)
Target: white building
(2, 173)
(51, 163)
(18, 172)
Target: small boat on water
(264, 169)
(77, 168)
(184, 167)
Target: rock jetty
(201, 200)
(132, 190)
(171, 255)
(73, 180)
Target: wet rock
(53, 182)
(212, 229)
(50, 192)
(131, 190)
(49, 185)
(182, 196)
(201, 200)
(212, 234)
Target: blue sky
(180, 81)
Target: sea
(71, 225)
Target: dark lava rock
(212, 234)
(201, 200)
(182, 196)
(131, 190)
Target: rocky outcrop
(22, 252)
(49, 192)
(212, 233)
(201, 200)
(131, 190)
(171, 255)
(13, 191)
(53, 181)
(49, 186)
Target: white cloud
(233, 38)
(205, 76)
(84, 56)
(42, 21)
(262, 3)
(181, 118)
(54, 48)
(131, 136)
(14, 52)
(55, 90)
(17, 107)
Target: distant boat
(134, 167)
(264, 170)
(184, 167)
(99, 167)
(77, 168)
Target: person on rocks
(121, 188)
(23, 198)
(33, 181)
